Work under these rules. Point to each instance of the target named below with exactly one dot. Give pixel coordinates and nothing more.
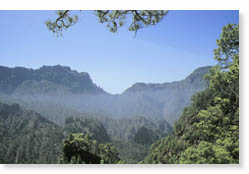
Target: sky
(166, 52)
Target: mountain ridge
(76, 82)
(61, 86)
(159, 86)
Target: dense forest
(27, 137)
(57, 115)
(208, 130)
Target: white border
(125, 4)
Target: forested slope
(208, 130)
(27, 137)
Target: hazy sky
(169, 51)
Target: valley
(69, 102)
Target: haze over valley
(59, 87)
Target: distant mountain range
(49, 86)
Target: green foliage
(63, 22)
(208, 153)
(79, 148)
(88, 125)
(139, 18)
(108, 154)
(165, 151)
(130, 152)
(208, 130)
(26, 137)
(145, 136)
(114, 19)
(228, 45)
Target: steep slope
(133, 136)
(27, 137)
(208, 130)
(168, 98)
(87, 125)
(129, 128)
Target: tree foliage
(208, 130)
(228, 45)
(114, 19)
(131, 152)
(87, 125)
(79, 148)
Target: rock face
(62, 87)
(11, 78)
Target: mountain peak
(11, 78)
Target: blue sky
(169, 51)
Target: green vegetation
(131, 152)
(27, 137)
(124, 134)
(87, 125)
(133, 136)
(79, 148)
(206, 133)
(208, 130)
(113, 18)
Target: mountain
(27, 137)
(69, 80)
(55, 101)
(195, 79)
(43, 87)
(51, 89)
(166, 100)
